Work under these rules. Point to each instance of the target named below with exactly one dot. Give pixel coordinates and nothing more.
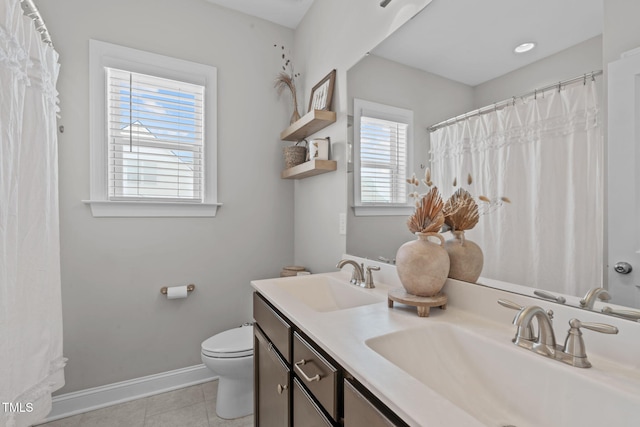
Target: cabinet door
(272, 385)
(305, 411)
(360, 412)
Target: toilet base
(235, 398)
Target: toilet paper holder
(190, 288)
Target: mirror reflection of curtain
(545, 155)
(31, 362)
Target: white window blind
(383, 161)
(156, 138)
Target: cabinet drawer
(305, 412)
(317, 374)
(273, 325)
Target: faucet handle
(510, 304)
(549, 296)
(369, 277)
(627, 314)
(598, 327)
(574, 348)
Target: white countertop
(343, 335)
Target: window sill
(383, 210)
(107, 208)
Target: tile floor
(193, 406)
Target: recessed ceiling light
(524, 47)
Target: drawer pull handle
(281, 388)
(301, 372)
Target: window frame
(102, 55)
(383, 112)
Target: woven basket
(294, 155)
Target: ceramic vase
(466, 258)
(423, 265)
(295, 116)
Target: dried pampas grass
(428, 217)
(284, 81)
(461, 211)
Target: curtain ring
(535, 94)
(593, 76)
(584, 81)
(559, 87)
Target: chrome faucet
(572, 353)
(357, 277)
(545, 342)
(591, 296)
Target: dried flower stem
(428, 216)
(461, 211)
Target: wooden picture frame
(322, 93)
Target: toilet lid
(237, 342)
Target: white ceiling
(469, 41)
(284, 12)
(472, 41)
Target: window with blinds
(383, 152)
(155, 138)
(383, 161)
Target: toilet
(229, 354)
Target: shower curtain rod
(499, 105)
(31, 10)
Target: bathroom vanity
(328, 353)
(298, 383)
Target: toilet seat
(234, 343)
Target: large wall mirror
(457, 56)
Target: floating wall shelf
(310, 168)
(308, 124)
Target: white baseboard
(77, 402)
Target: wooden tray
(422, 303)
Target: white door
(624, 180)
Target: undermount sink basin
(500, 384)
(325, 293)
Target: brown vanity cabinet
(273, 384)
(271, 366)
(306, 412)
(275, 327)
(298, 385)
(319, 376)
(359, 411)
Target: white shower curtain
(31, 362)
(545, 155)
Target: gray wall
(431, 98)
(117, 326)
(335, 34)
(621, 29)
(574, 61)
